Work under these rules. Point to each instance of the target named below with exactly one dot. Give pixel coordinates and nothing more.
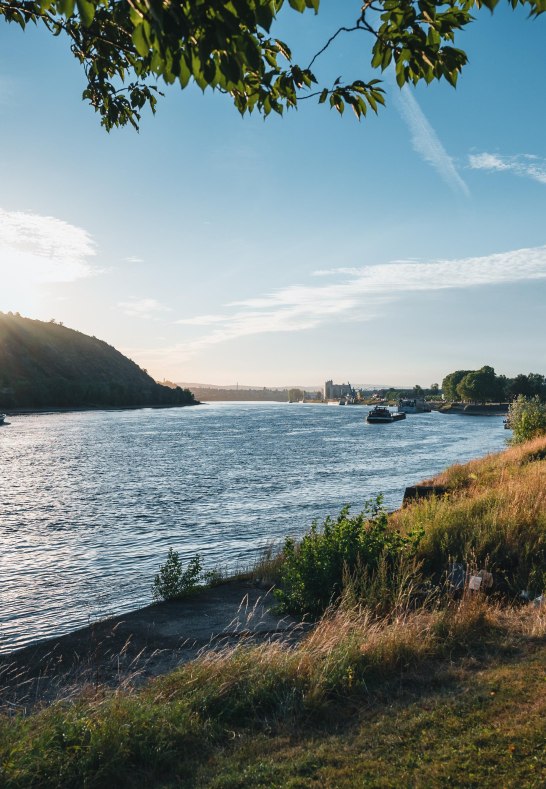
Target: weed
(173, 582)
(361, 551)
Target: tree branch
(358, 26)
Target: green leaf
(377, 56)
(284, 50)
(264, 16)
(66, 7)
(139, 40)
(297, 5)
(86, 11)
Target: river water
(90, 502)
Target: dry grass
(494, 517)
(494, 469)
(163, 731)
(465, 724)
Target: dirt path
(131, 648)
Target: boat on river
(381, 415)
(414, 405)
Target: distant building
(334, 391)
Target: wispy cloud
(356, 294)
(203, 320)
(42, 249)
(426, 142)
(143, 308)
(327, 272)
(133, 259)
(523, 164)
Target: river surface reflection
(91, 502)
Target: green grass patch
(456, 726)
(163, 734)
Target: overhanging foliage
(127, 48)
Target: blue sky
(218, 249)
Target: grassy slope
(494, 517)
(450, 694)
(31, 347)
(468, 724)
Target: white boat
(381, 415)
(414, 406)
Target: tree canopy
(481, 385)
(485, 385)
(128, 48)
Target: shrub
(527, 418)
(174, 583)
(315, 571)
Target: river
(91, 501)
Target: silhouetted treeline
(204, 393)
(47, 365)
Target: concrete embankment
(475, 409)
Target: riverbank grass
(493, 517)
(194, 726)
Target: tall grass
(494, 516)
(162, 731)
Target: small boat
(415, 406)
(380, 415)
(2, 418)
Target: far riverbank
(476, 409)
(91, 408)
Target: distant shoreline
(76, 409)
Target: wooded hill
(47, 365)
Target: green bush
(315, 571)
(527, 418)
(172, 582)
